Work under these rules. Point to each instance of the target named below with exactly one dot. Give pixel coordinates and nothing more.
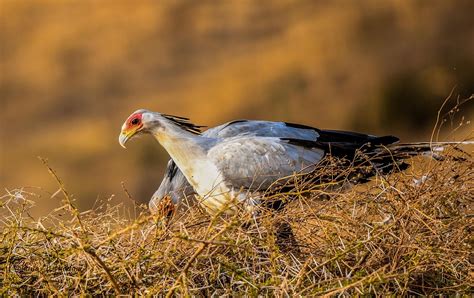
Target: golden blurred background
(73, 70)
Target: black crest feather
(184, 123)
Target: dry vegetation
(390, 236)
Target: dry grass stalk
(390, 236)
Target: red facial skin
(134, 122)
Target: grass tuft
(391, 236)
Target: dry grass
(390, 236)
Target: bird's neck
(180, 144)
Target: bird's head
(139, 122)
(144, 121)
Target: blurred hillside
(72, 71)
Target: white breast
(208, 182)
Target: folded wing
(254, 163)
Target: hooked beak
(127, 133)
(125, 136)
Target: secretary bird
(237, 161)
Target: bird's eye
(135, 121)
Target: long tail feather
(392, 157)
(425, 148)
